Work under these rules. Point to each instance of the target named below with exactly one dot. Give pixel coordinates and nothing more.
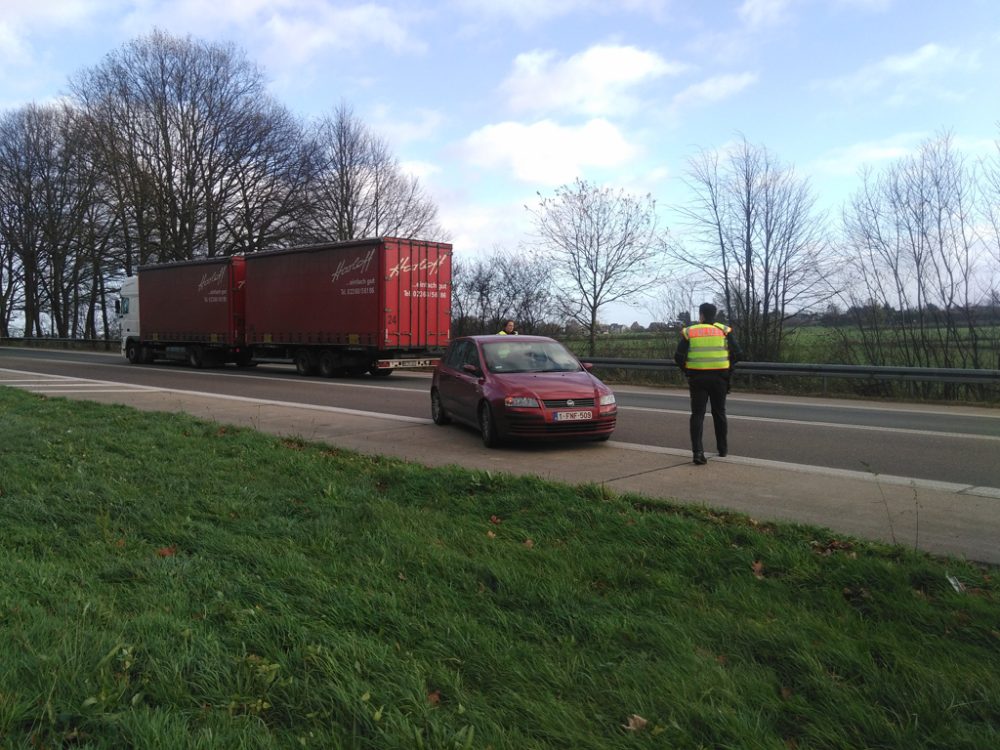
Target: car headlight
(520, 402)
(607, 398)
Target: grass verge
(174, 583)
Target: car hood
(546, 384)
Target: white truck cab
(128, 318)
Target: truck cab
(127, 310)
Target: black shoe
(723, 453)
(699, 458)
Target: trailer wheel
(380, 373)
(245, 359)
(329, 363)
(304, 364)
(196, 356)
(133, 353)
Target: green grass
(172, 583)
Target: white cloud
(419, 169)
(871, 6)
(595, 82)
(849, 160)
(547, 153)
(282, 34)
(907, 76)
(300, 37)
(415, 125)
(60, 13)
(14, 49)
(713, 89)
(532, 12)
(759, 13)
(479, 227)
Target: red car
(520, 387)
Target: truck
(337, 308)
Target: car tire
(438, 414)
(488, 426)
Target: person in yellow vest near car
(706, 354)
(508, 329)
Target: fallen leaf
(495, 519)
(758, 569)
(167, 551)
(491, 534)
(120, 543)
(434, 697)
(786, 693)
(635, 723)
(402, 576)
(530, 544)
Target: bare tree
(10, 286)
(499, 286)
(46, 188)
(199, 159)
(361, 191)
(756, 241)
(603, 246)
(920, 269)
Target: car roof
(509, 338)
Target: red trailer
(336, 308)
(191, 310)
(367, 305)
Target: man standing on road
(508, 329)
(706, 354)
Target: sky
(493, 103)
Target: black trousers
(708, 387)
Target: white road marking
(930, 484)
(957, 488)
(838, 425)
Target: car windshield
(529, 356)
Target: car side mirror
(471, 369)
(587, 366)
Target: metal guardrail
(926, 374)
(63, 343)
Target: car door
(463, 387)
(447, 374)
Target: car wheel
(438, 414)
(488, 426)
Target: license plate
(573, 416)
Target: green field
(173, 583)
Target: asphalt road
(948, 443)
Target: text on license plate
(573, 416)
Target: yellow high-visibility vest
(708, 347)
